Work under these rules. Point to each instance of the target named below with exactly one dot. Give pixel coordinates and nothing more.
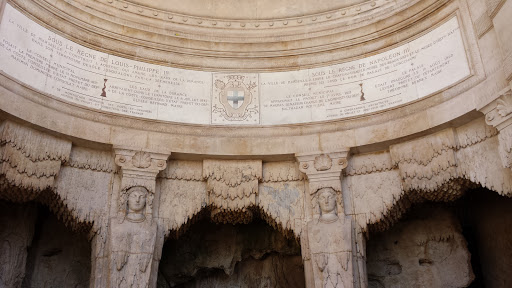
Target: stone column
(498, 113)
(328, 239)
(135, 242)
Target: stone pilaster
(328, 240)
(498, 113)
(135, 240)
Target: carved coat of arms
(235, 99)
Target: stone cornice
(145, 14)
(246, 49)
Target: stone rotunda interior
(236, 143)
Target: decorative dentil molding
(137, 11)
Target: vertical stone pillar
(135, 242)
(328, 240)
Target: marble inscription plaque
(74, 73)
(411, 71)
(77, 74)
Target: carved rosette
(138, 168)
(498, 113)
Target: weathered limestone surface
(57, 256)
(491, 217)
(181, 180)
(232, 185)
(103, 168)
(271, 271)
(225, 255)
(30, 160)
(134, 238)
(427, 250)
(16, 232)
(329, 242)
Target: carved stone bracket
(323, 169)
(140, 165)
(498, 113)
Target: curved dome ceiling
(246, 9)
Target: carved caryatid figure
(133, 242)
(327, 204)
(330, 238)
(136, 205)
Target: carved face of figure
(137, 201)
(327, 200)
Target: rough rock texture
(29, 160)
(426, 250)
(232, 185)
(491, 218)
(271, 271)
(252, 255)
(16, 231)
(181, 180)
(58, 257)
(283, 203)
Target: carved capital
(139, 169)
(323, 169)
(321, 166)
(140, 164)
(498, 113)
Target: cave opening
(38, 250)
(464, 243)
(212, 254)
